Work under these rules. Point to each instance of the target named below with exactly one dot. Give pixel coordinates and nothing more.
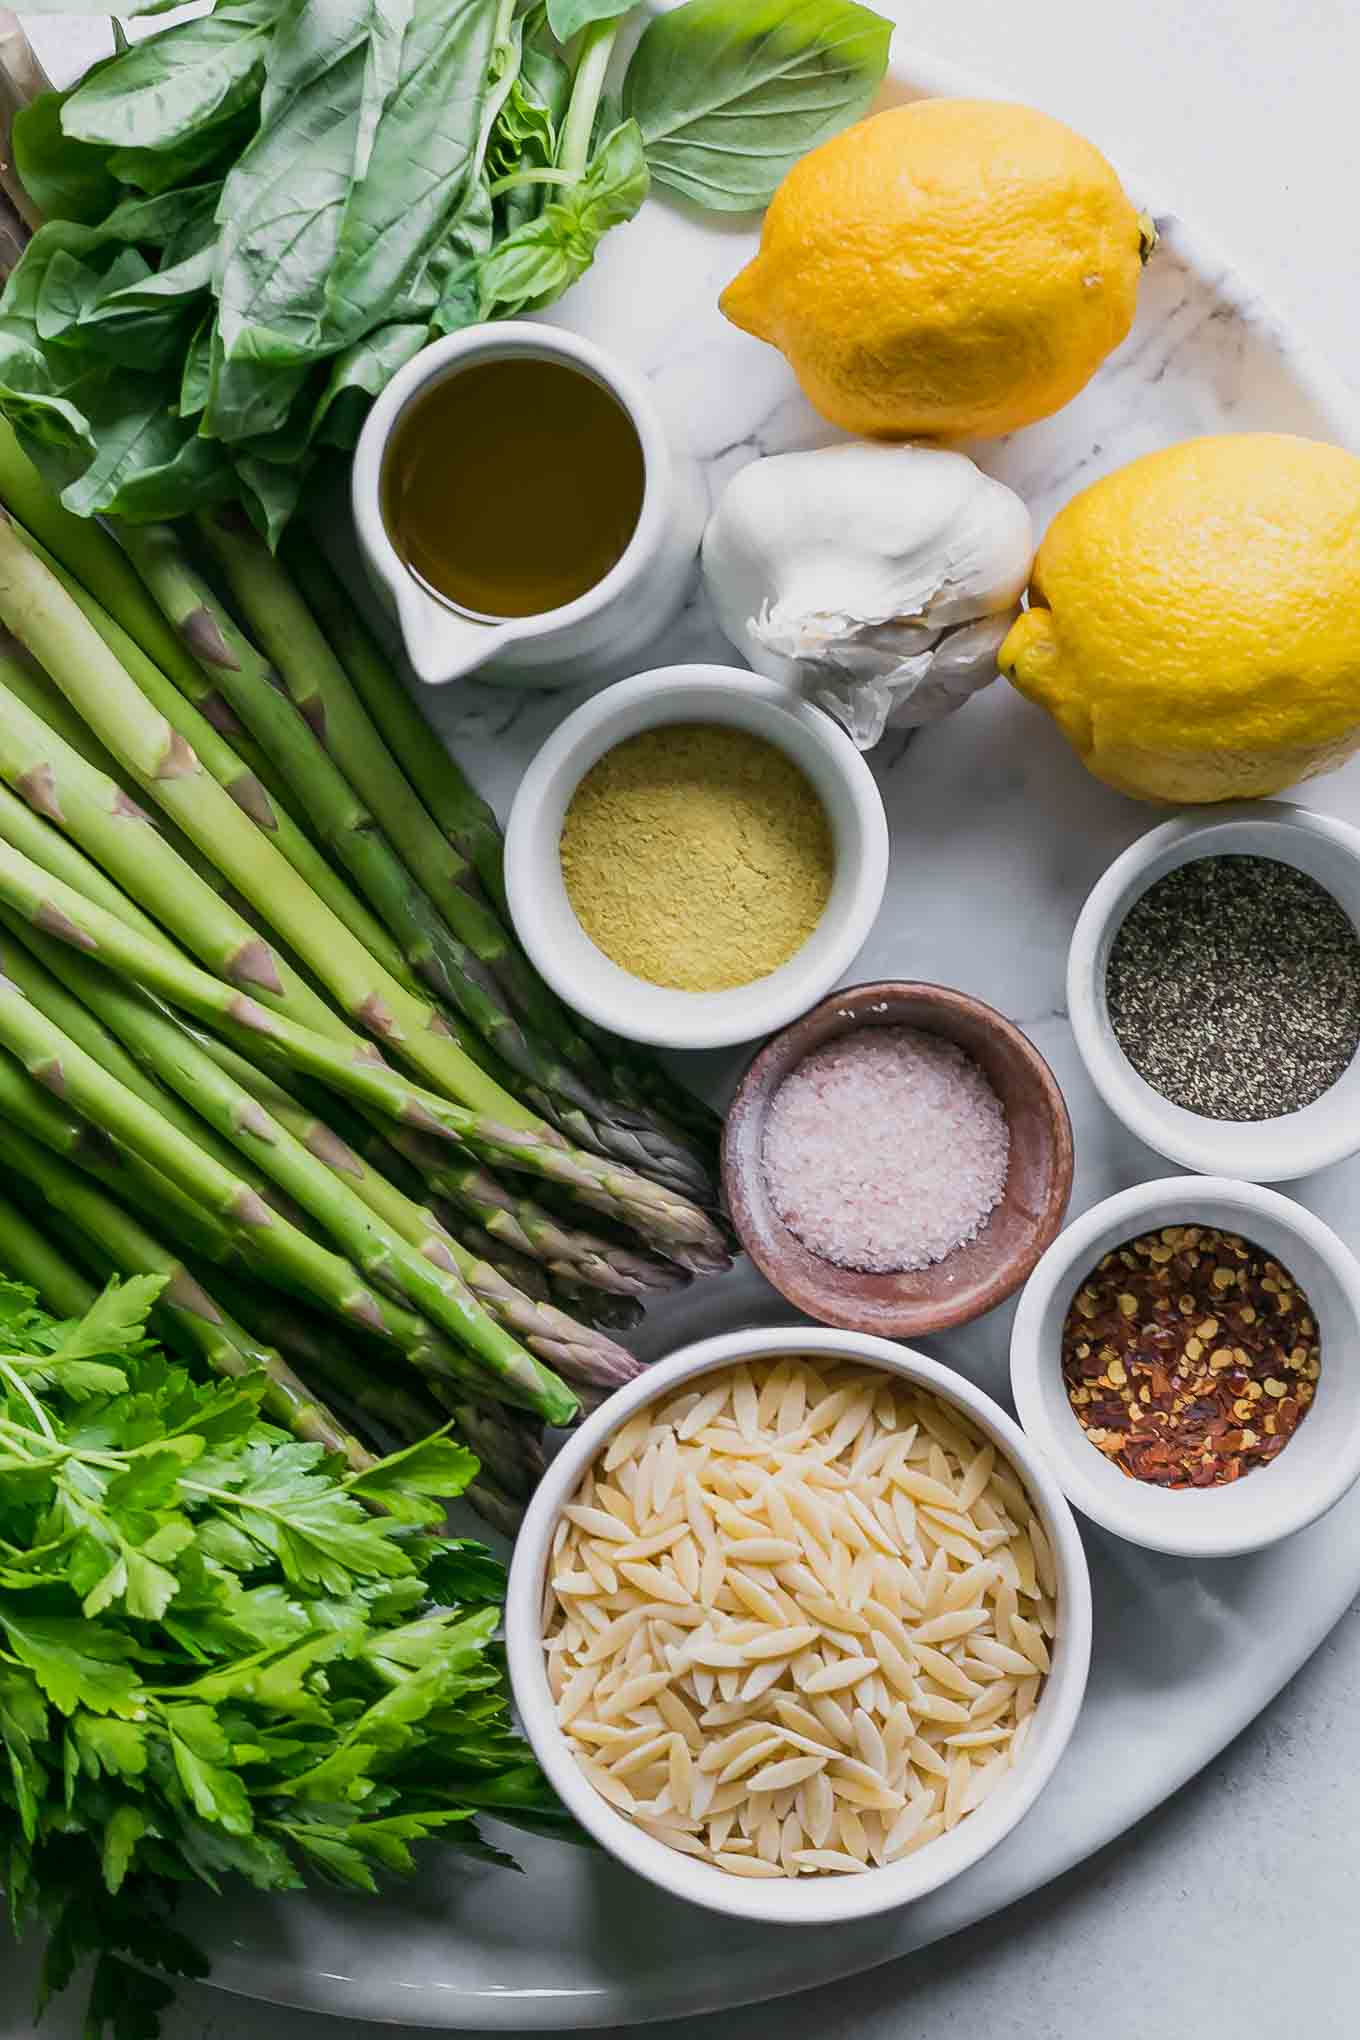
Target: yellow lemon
(1194, 619)
(956, 266)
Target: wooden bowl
(974, 1278)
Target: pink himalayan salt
(886, 1149)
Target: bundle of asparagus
(264, 1028)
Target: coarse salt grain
(886, 1149)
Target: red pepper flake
(1190, 1357)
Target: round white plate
(998, 834)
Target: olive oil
(512, 487)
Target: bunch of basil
(255, 217)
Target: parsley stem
(21, 1388)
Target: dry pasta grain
(797, 1619)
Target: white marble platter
(997, 834)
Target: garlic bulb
(878, 579)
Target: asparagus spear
(226, 1346)
(465, 818)
(23, 678)
(401, 1407)
(28, 1256)
(34, 604)
(333, 807)
(113, 1114)
(472, 828)
(683, 1232)
(66, 986)
(93, 809)
(380, 1253)
(574, 1351)
(339, 756)
(284, 629)
(515, 1221)
(217, 755)
(86, 550)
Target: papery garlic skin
(878, 579)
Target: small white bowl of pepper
(1186, 1357)
(1214, 988)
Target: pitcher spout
(440, 644)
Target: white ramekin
(803, 1901)
(1262, 1150)
(1321, 1460)
(560, 948)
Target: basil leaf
(424, 152)
(330, 72)
(357, 376)
(148, 463)
(169, 221)
(66, 180)
(730, 93)
(460, 266)
(567, 17)
(213, 148)
(535, 264)
(197, 371)
(271, 491)
(174, 83)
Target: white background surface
(1234, 1909)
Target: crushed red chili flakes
(1190, 1357)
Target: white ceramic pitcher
(602, 630)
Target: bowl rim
(1181, 1136)
(797, 1901)
(610, 996)
(1127, 1512)
(915, 1319)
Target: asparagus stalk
(218, 756)
(515, 1221)
(258, 1233)
(92, 808)
(66, 987)
(518, 1222)
(334, 809)
(226, 1346)
(402, 1407)
(28, 1256)
(316, 1174)
(341, 756)
(25, 830)
(47, 1052)
(459, 810)
(87, 552)
(573, 1350)
(403, 1411)
(286, 632)
(471, 826)
(519, 1270)
(681, 1231)
(23, 678)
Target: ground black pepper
(1233, 987)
